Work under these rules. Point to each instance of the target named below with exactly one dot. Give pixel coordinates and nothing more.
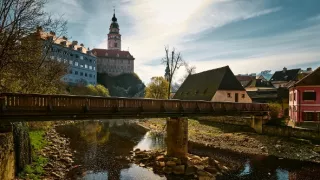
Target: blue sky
(248, 35)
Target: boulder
(162, 164)
(316, 149)
(160, 158)
(179, 169)
(171, 163)
(190, 170)
(211, 170)
(167, 170)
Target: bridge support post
(257, 123)
(177, 137)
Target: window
(70, 62)
(90, 75)
(81, 65)
(70, 71)
(85, 74)
(90, 67)
(308, 116)
(115, 44)
(309, 96)
(76, 72)
(81, 57)
(94, 68)
(76, 63)
(77, 56)
(243, 95)
(229, 95)
(81, 73)
(294, 96)
(85, 66)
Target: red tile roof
(112, 53)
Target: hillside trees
(24, 64)
(157, 88)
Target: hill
(124, 85)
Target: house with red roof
(304, 98)
(114, 61)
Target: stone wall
(22, 146)
(7, 162)
(288, 131)
(236, 120)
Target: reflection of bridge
(31, 107)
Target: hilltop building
(81, 62)
(304, 98)
(113, 60)
(218, 85)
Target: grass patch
(35, 169)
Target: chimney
(74, 42)
(284, 70)
(65, 38)
(52, 33)
(81, 44)
(309, 69)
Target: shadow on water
(102, 147)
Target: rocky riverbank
(194, 167)
(242, 140)
(59, 156)
(53, 160)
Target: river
(101, 147)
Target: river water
(101, 147)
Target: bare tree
(173, 60)
(24, 65)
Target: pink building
(304, 98)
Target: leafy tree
(157, 88)
(24, 66)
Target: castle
(113, 60)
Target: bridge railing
(39, 104)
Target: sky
(248, 35)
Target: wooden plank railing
(13, 105)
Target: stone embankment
(59, 155)
(193, 167)
(6, 156)
(241, 140)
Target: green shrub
(275, 110)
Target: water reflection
(151, 141)
(102, 147)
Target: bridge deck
(33, 107)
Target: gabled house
(304, 98)
(282, 78)
(219, 85)
(245, 79)
(261, 90)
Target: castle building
(80, 61)
(113, 60)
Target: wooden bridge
(39, 107)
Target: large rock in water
(123, 85)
